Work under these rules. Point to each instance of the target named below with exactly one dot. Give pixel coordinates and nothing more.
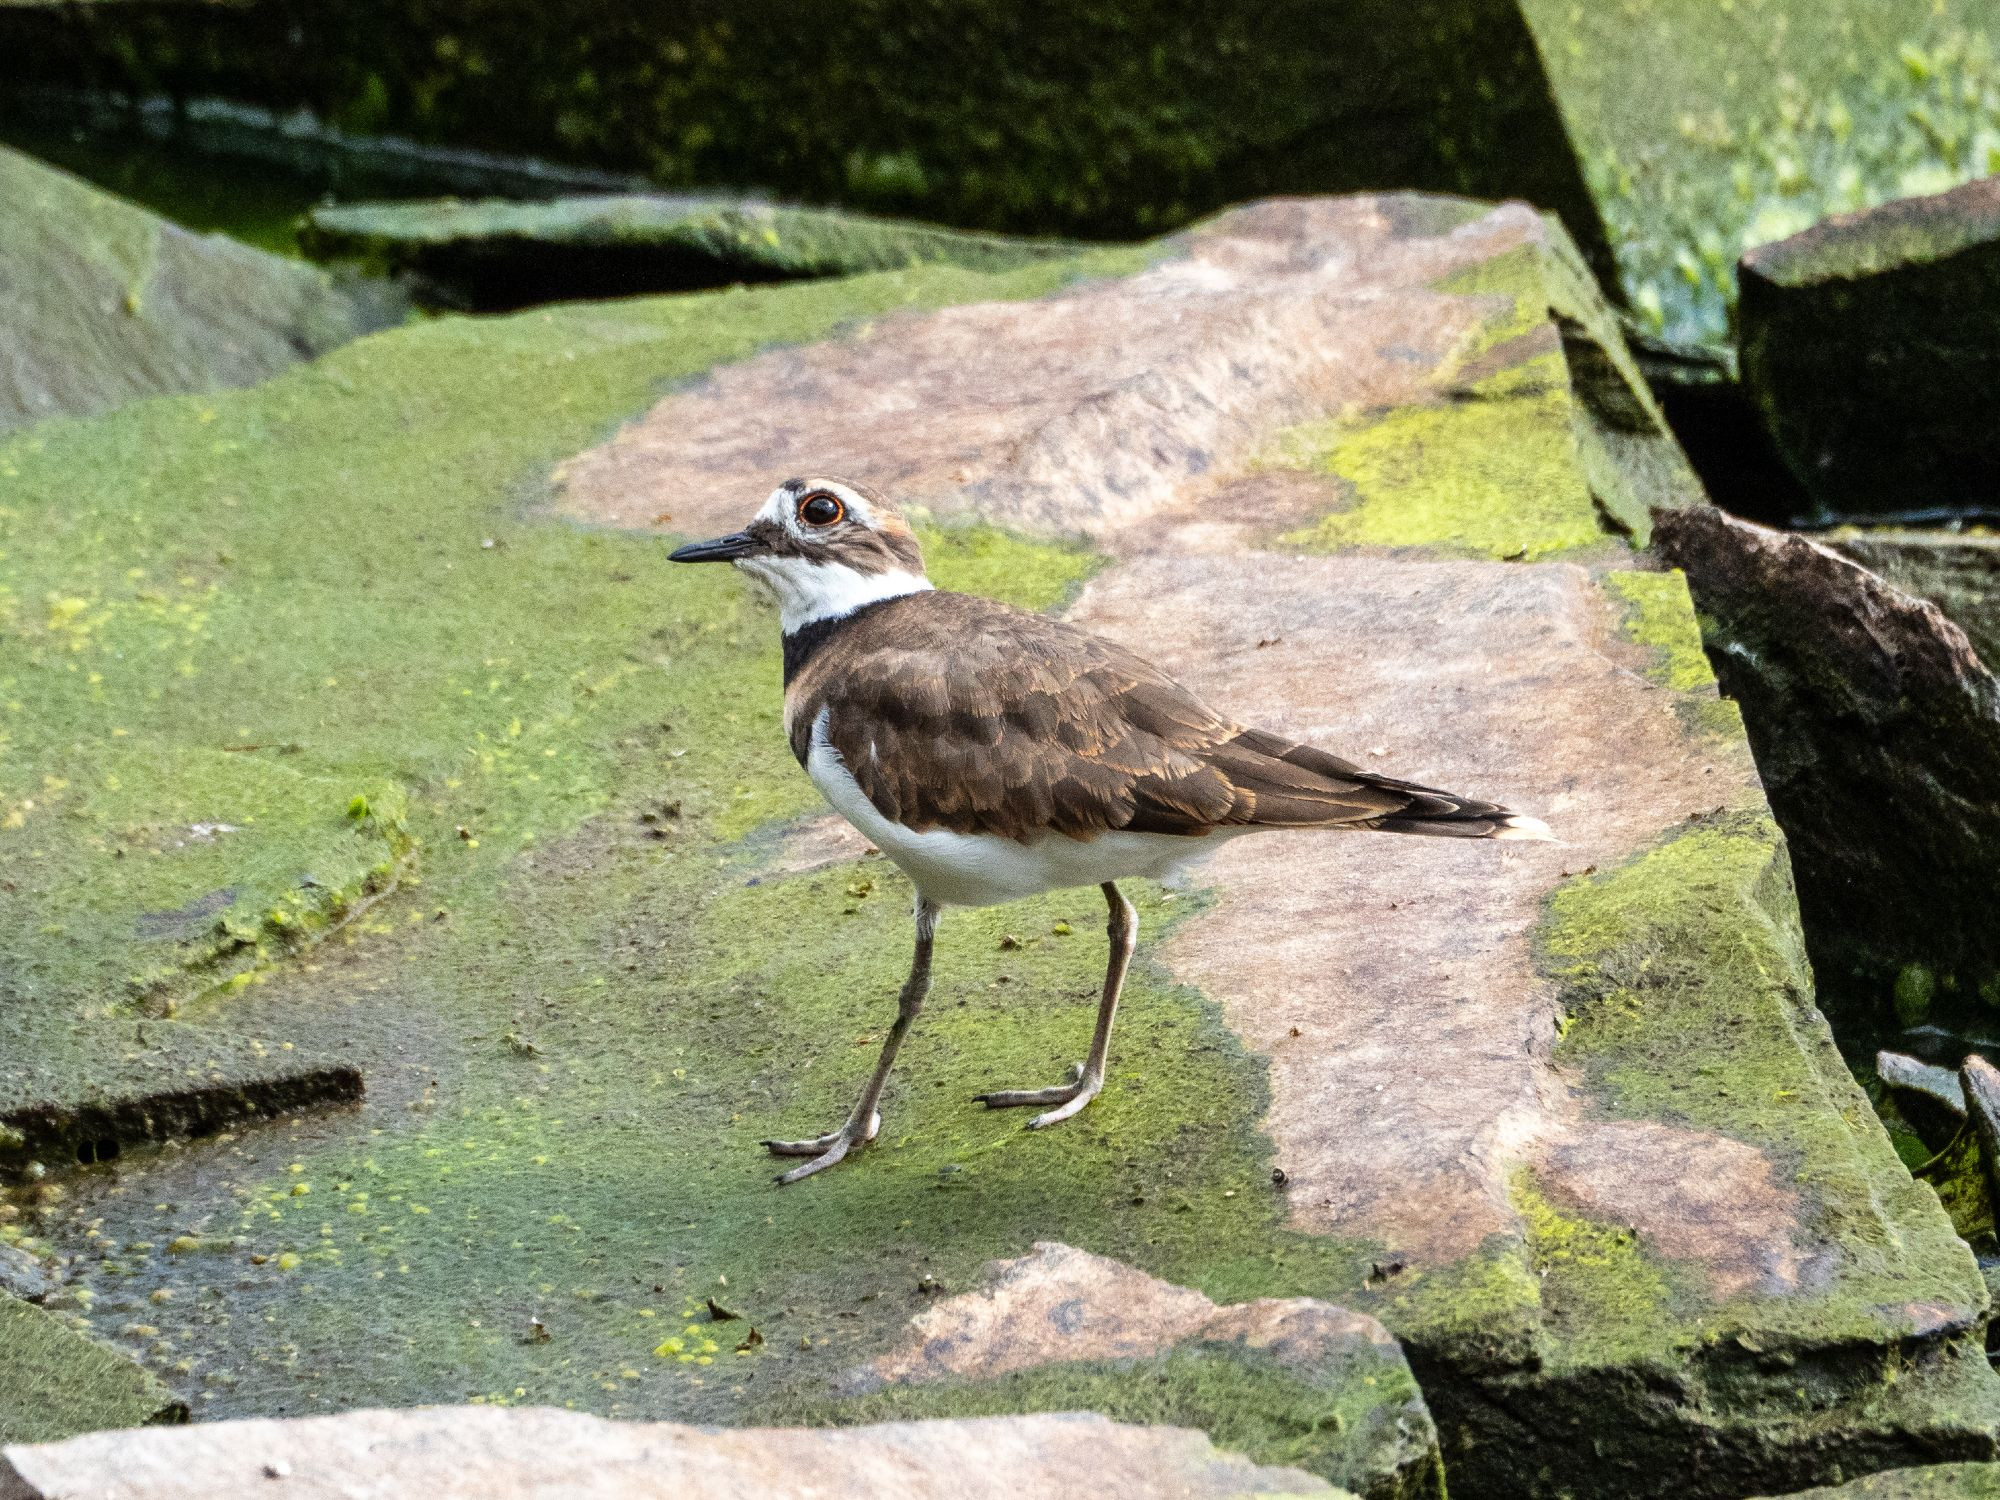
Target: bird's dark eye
(821, 509)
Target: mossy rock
(619, 951)
(105, 302)
(59, 1383)
(1869, 349)
(1107, 121)
(500, 253)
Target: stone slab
(532, 1452)
(1059, 1318)
(1868, 709)
(1868, 347)
(498, 253)
(1394, 463)
(105, 302)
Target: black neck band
(803, 644)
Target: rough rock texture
(1877, 730)
(104, 302)
(1871, 347)
(1364, 470)
(1958, 571)
(501, 253)
(1085, 1326)
(1939, 1482)
(1108, 120)
(470, 1453)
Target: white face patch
(809, 588)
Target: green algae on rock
(500, 253)
(58, 1383)
(105, 302)
(1547, 431)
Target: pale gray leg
(860, 1127)
(1087, 1077)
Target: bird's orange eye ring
(821, 509)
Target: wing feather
(966, 714)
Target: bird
(993, 753)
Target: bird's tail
(1331, 783)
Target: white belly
(983, 869)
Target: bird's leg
(1087, 1077)
(861, 1125)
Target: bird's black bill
(721, 549)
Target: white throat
(809, 591)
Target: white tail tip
(1519, 826)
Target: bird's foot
(825, 1150)
(1070, 1097)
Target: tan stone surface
(539, 1453)
(1080, 412)
(1389, 980)
(1061, 1304)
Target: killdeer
(993, 754)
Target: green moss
(1915, 988)
(1604, 1300)
(59, 1383)
(1488, 477)
(1688, 998)
(1660, 616)
(1360, 1425)
(1934, 1482)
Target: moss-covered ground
(334, 613)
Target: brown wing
(966, 714)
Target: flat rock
(1935, 1482)
(105, 302)
(1877, 730)
(490, 1454)
(503, 253)
(1869, 348)
(1072, 1318)
(1562, 1117)
(60, 1382)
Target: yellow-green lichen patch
(1688, 1000)
(1660, 616)
(1604, 1301)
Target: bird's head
(825, 547)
